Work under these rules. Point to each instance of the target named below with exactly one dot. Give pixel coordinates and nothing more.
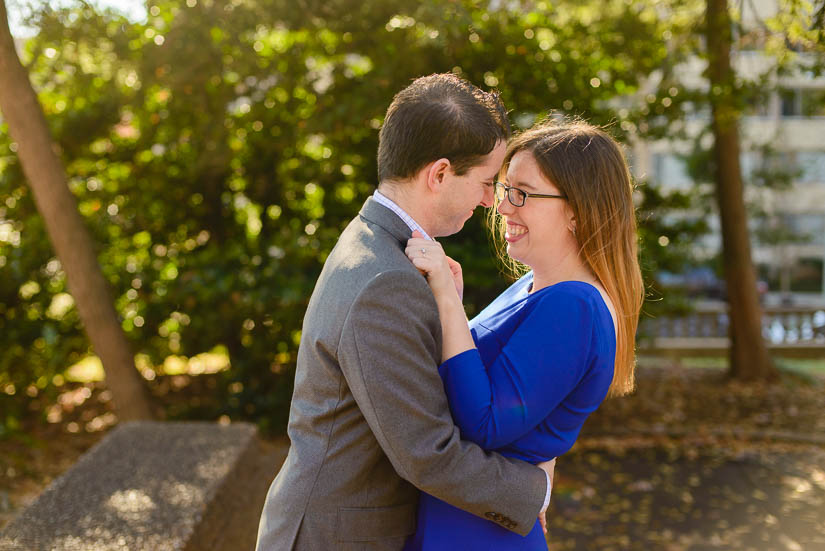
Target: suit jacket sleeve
(387, 352)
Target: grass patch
(693, 362)
(808, 366)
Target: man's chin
(450, 230)
(461, 226)
(453, 228)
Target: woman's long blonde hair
(589, 168)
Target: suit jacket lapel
(378, 214)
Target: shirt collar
(390, 204)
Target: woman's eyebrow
(522, 184)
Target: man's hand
(550, 468)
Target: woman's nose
(504, 206)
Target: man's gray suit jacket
(369, 423)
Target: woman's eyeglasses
(518, 197)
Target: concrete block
(154, 486)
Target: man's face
(464, 193)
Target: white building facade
(792, 125)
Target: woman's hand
(458, 277)
(442, 272)
(444, 277)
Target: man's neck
(409, 202)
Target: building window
(809, 227)
(750, 161)
(790, 105)
(802, 102)
(813, 102)
(811, 165)
(670, 171)
(806, 275)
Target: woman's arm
(445, 280)
(444, 277)
(543, 360)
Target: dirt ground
(689, 462)
(680, 496)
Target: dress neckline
(527, 290)
(526, 294)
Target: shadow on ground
(674, 497)
(692, 462)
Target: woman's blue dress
(543, 363)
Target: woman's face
(538, 233)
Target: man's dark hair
(439, 116)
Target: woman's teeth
(514, 230)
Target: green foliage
(217, 151)
(667, 231)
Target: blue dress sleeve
(541, 363)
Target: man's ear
(436, 174)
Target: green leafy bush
(217, 151)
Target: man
(370, 423)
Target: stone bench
(154, 486)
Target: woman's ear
(437, 173)
(571, 220)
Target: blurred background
(217, 148)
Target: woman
(530, 368)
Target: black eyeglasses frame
(507, 192)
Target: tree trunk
(749, 358)
(72, 243)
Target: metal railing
(788, 331)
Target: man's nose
(489, 197)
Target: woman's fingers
(455, 267)
(423, 264)
(425, 248)
(439, 269)
(428, 244)
(419, 252)
(458, 278)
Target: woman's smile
(515, 232)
